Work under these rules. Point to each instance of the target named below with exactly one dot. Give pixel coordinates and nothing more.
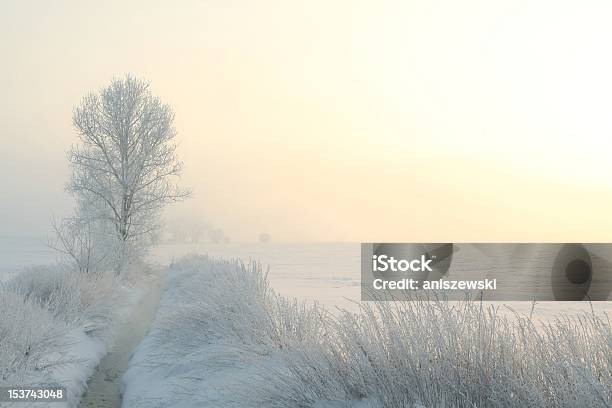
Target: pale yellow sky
(333, 120)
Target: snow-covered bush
(89, 244)
(436, 353)
(233, 301)
(214, 316)
(55, 325)
(224, 338)
(29, 336)
(80, 300)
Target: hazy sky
(333, 120)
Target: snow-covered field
(19, 252)
(329, 273)
(324, 272)
(224, 338)
(230, 353)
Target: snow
(223, 338)
(329, 273)
(18, 252)
(206, 366)
(324, 272)
(57, 325)
(85, 351)
(211, 370)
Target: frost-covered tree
(125, 166)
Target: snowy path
(104, 387)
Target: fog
(351, 121)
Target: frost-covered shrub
(231, 300)
(442, 354)
(29, 337)
(89, 244)
(79, 300)
(410, 353)
(47, 315)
